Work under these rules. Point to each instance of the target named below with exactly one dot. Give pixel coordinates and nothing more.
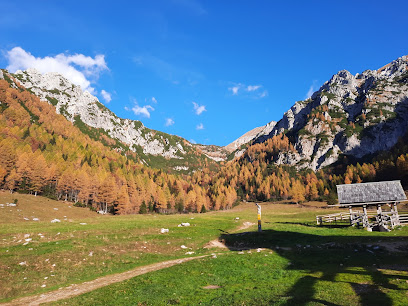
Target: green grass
(117, 243)
(298, 262)
(331, 266)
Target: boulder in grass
(164, 230)
(184, 224)
(55, 220)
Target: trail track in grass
(78, 289)
(85, 287)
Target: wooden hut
(371, 195)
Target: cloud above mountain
(252, 91)
(141, 110)
(106, 96)
(199, 109)
(169, 122)
(80, 69)
(312, 89)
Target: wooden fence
(403, 219)
(343, 216)
(356, 218)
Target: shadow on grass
(353, 257)
(313, 224)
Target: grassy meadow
(292, 262)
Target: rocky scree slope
(354, 115)
(81, 107)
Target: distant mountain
(155, 148)
(349, 115)
(239, 145)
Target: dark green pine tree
(143, 208)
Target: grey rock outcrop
(351, 115)
(78, 105)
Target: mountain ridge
(82, 108)
(335, 120)
(350, 114)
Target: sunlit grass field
(292, 261)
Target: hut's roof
(388, 191)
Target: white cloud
(142, 110)
(311, 90)
(252, 91)
(263, 94)
(79, 69)
(200, 126)
(199, 108)
(154, 100)
(106, 96)
(253, 87)
(169, 122)
(235, 89)
(193, 141)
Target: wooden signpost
(259, 218)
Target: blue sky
(208, 71)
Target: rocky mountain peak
(394, 69)
(351, 115)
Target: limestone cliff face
(82, 108)
(352, 115)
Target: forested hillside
(155, 149)
(43, 153)
(255, 176)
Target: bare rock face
(77, 105)
(351, 115)
(237, 146)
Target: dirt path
(77, 289)
(219, 244)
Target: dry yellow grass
(30, 207)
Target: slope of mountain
(41, 152)
(349, 115)
(239, 145)
(154, 148)
(244, 139)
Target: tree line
(43, 153)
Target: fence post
(395, 213)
